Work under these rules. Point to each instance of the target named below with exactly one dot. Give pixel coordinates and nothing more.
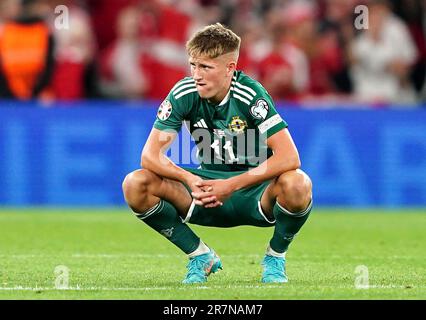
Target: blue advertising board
(78, 154)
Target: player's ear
(231, 68)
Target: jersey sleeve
(265, 116)
(173, 111)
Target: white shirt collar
(226, 99)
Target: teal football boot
(273, 270)
(200, 267)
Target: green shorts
(242, 208)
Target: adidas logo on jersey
(167, 232)
(201, 124)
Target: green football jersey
(231, 135)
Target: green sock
(164, 219)
(287, 225)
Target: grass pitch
(109, 254)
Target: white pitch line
(116, 256)
(132, 289)
(92, 289)
(20, 288)
(180, 256)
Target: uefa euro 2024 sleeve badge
(260, 109)
(165, 110)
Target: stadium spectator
(298, 49)
(104, 14)
(337, 24)
(26, 53)
(164, 31)
(9, 9)
(123, 76)
(75, 75)
(322, 51)
(302, 62)
(284, 71)
(413, 12)
(382, 57)
(254, 46)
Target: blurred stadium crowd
(302, 51)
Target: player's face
(212, 76)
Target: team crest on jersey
(237, 125)
(165, 110)
(260, 109)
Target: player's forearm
(271, 168)
(164, 167)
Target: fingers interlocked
(206, 198)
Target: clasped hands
(211, 193)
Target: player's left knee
(295, 190)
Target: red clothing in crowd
(67, 82)
(167, 30)
(268, 70)
(326, 62)
(104, 14)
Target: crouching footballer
(249, 170)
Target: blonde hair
(213, 41)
